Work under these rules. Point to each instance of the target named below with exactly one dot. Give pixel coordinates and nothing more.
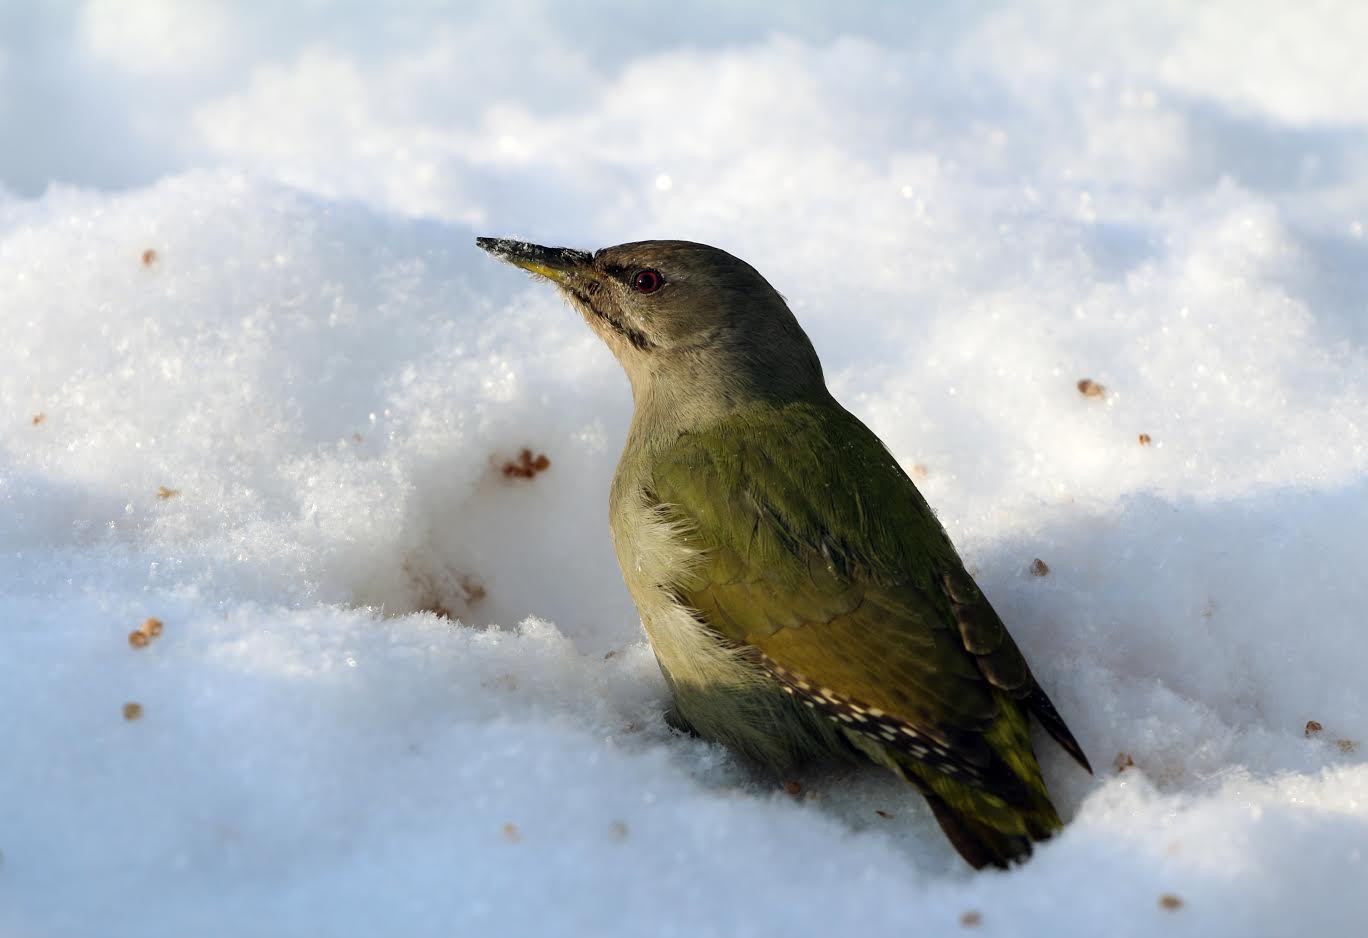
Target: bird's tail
(993, 820)
(981, 827)
(980, 844)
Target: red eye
(647, 281)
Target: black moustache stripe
(637, 339)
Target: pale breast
(718, 689)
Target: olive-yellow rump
(800, 596)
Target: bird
(801, 598)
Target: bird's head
(680, 312)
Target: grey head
(697, 330)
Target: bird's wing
(819, 554)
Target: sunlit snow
(257, 382)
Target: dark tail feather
(979, 844)
(1044, 711)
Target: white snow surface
(970, 207)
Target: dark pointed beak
(557, 264)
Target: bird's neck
(755, 358)
(689, 397)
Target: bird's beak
(556, 264)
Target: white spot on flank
(664, 183)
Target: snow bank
(259, 384)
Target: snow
(236, 249)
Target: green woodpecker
(801, 597)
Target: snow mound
(1097, 278)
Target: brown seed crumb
(149, 257)
(971, 919)
(883, 814)
(511, 833)
(619, 830)
(472, 590)
(132, 711)
(1123, 761)
(794, 788)
(526, 466)
(39, 418)
(1090, 388)
(164, 493)
(358, 438)
(610, 654)
(1312, 728)
(144, 633)
(1145, 439)
(1039, 568)
(1169, 901)
(919, 471)
(1346, 745)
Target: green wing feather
(820, 555)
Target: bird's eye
(647, 281)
